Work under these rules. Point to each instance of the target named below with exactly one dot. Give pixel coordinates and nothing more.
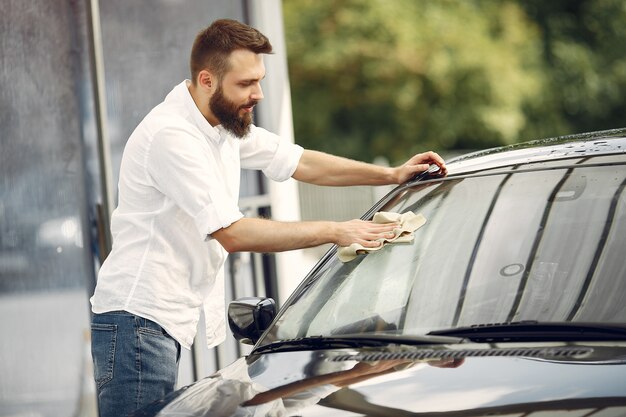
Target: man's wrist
(394, 175)
(331, 231)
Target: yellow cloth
(409, 223)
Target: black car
(509, 301)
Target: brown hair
(213, 46)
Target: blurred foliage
(395, 77)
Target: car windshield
(539, 242)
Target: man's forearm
(261, 235)
(324, 169)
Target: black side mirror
(249, 317)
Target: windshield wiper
(535, 331)
(352, 341)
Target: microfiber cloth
(409, 223)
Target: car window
(534, 244)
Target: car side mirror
(249, 317)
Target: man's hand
(419, 163)
(363, 232)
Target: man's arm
(262, 235)
(324, 169)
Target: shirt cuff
(285, 161)
(213, 218)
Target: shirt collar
(213, 133)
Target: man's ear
(206, 80)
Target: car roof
(562, 147)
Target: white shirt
(179, 182)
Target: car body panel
(323, 383)
(563, 147)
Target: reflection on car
(510, 300)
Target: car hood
(460, 380)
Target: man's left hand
(420, 163)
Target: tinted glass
(540, 243)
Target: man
(178, 216)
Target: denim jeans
(135, 362)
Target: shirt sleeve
(266, 151)
(179, 165)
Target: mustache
(249, 104)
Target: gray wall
(45, 255)
(50, 180)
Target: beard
(227, 112)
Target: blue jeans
(135, 362)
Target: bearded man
(178, 216)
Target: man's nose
(257, 93)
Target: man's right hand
(366, 233)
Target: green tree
(392, 77)
(376, 77)
(584, 54)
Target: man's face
(238, 92)
(230, 114)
